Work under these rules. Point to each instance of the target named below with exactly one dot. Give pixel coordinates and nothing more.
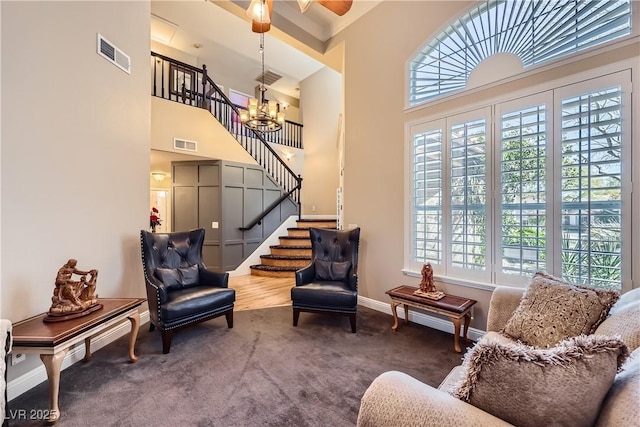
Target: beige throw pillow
(526, 386)
(552, 310)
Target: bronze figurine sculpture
(73, 298)
(427, 287)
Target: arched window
(534, 31)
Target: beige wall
(173, 120)
(377, 48)
(321, 107)
(173, 53)
(75, 150)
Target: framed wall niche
(159, 199)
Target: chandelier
(262, 116)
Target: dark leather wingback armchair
(330, 283)
(180, 289)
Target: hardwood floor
(254, 292)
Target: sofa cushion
(332, 270)
(564, 385)
(620, 407)
(623, 320)
(552, 310)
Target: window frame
(622, 79)
(620, 73)
(542, 98)
(481, 11)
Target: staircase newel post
(299, 196)
(204, 91)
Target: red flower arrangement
(154, 219)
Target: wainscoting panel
(223, 197)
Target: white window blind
(559, 198)
(592, 188)
(535, 31)
(468, 194)
(523, 207)
(427, 196)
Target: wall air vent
(183, 144)
(111, 53)
(269, 77)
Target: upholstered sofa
(397, 399)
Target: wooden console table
(52, 340)
(455, 308)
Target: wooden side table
(53, 340)
(455, 308)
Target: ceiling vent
(269, 77)
(111, 53)
(183, 144)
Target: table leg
(87, 349)
(406, 314)
(467, 320)
(52, 364)
(135, 325)
(394, 305)
(456, 334)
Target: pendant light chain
(262, 88)
(262, 116)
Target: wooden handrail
(223, 110)
(271, 207)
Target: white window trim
(545, 98)
(623, 79)
(463, 273)
(530, 71)
(627, 67)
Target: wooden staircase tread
(290, 257)
(273, 268)
(290, 247)
(307, 228)
(286, 259)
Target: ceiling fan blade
(339, 7)
(258, 27)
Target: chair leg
(166, 340)
(296, 315)
(352, 318)
(229, 316)
(152, 327)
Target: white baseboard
(34, 377)
(444, 325)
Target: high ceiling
(222, 30)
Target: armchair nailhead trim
(146, 278)
(202, 316)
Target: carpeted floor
(262, 372)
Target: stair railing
(176, 81)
